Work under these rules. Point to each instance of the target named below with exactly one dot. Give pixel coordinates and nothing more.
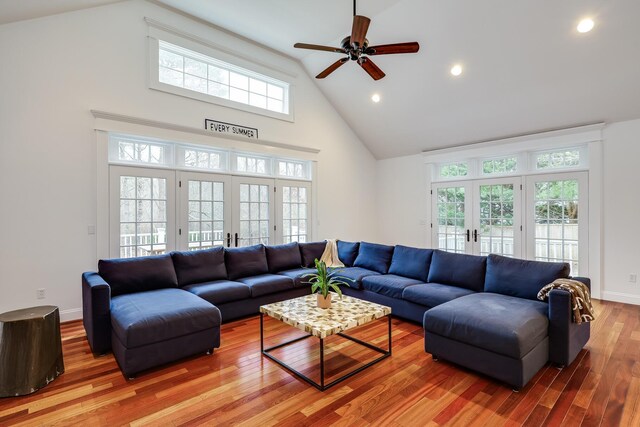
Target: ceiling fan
(357, 48)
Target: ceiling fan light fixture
(375, 98)
(585, 25)
(456, 70)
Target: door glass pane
(143, 216)
(254, 224)
(206, 214)
(496, 219)
(295, 210)
(556, 222)
(451, 230)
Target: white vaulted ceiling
(525, 67)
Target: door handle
(236, 240)
(228, 240)
(468, 235)
(475, 235)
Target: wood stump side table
(30, 350)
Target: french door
(293, 208)
(558, 220)
(486, 216)
(478, 217)
(252, 211)
(204, 210)
(154, 211)
(142, 211)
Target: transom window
(558, 159)
(292, 169)
(164, 154)
(251, 164)
(452, 170)
(194, 71)
(500, 166)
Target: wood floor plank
(238, 386)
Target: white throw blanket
(330, 254)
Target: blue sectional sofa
(479, 312)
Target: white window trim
(154, 81)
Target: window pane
(275, 92)
(171, 77)
(196, 68)
(170, 60)
(258, 100)
(238, 95)
(258, 87)
(239, 81)
(195, 83)
(219, 90)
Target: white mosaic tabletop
(303, 313)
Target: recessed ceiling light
(375, 98)
(456, 70)
(585, 25)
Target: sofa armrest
(566, 338)
(584, 280)
(96, 312)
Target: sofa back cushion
(199, 266)
(464, 271)
(521, 278)
(309, 252)
(374, 257)
(283, 257)
(411, 262)
(245, 262)
(129, 275)
(348, 252)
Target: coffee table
(345, 313)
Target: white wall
(402, 201)
(402, 184)
(621, 211)
(56, 69)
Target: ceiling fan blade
(371, 68)
(331, 68)
(388, 49)
(319, 47)
(359, 29)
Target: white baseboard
(70, 314)
(621, 297)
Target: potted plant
(322, 282)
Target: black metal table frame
(322, 386)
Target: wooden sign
(230, 128)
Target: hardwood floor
(236, 385)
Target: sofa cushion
(311, 251)
(267, 284)
(245, 262)
(502, 324)
(465, 271)
(220, 291)
(387, 284)
(347, 252)
(433, 294)
(149, 317)
(296, 274)
(129, 275)
(353, 275)
(411, 262)
(199, 266)
(374, 257)
(521, 278)
(283, 257)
